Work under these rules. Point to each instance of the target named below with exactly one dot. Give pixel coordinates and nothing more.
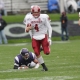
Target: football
(32, 64)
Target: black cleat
(45, 69)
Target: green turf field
(63, 62)
(53, 17)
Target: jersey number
(36, 27)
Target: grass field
(53, 17)
(63, 62)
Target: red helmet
(35, 10)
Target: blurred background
(14, 11)
(50, 6)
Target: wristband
(20, 67)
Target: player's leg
(46, 46)
(41, 61)
(46, 49)
(36, 46)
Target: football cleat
(45, 69)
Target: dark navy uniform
(19, 60)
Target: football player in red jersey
(41, 30)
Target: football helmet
(35, 10)
(25, 53)
(32, 6)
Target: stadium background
(16, 30)
(22, 7)
(63, 62)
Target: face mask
(26, 56)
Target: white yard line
(21, 44)
(17, 44)
(10, 70)
(44, 78)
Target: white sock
(40, 59)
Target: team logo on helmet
(35, 8)
(24, 51)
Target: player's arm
(16, 64)
(30, 33)
(49, 30)
(15, 67)
(28, 27)
(48, 18)
(35, 61)
(23, 67)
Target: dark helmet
(24, 51)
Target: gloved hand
(50, 41)
(37, 66)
